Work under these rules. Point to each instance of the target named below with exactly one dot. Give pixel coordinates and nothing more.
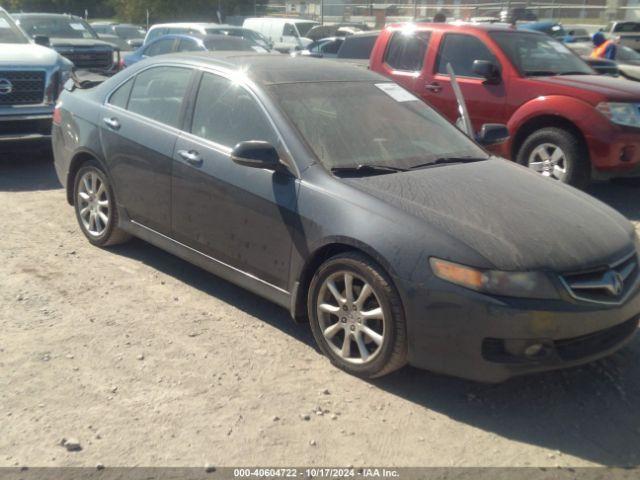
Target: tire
(384, 340)
(99, 232)
(550, 140)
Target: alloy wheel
(351, 317)
(549, 160)
(93, 203)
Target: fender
(582, 114)
(77, 156)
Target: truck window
(461, 51)
(357, 47)
(406, 51)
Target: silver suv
(31, 76)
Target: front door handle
(434, 87)
(191, 156)
(112, 123)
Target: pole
(321, 12)
(147, 19)
(415, 9)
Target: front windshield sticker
(558, 47)
(76, 26)
(4, 23)
(396, 92)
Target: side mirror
(486, 70)
(492, 133)
(257, 154)
(42, 40)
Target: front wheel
(356, 316)
(558, 154)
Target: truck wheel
(556, 153)
(356, 316)
(95, 206)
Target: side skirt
(227, 272)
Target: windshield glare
(57, 27)
(349, 124)
(9, 32)
(533, 54)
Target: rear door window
(461, 51)
(226, 113)
(406, 51)
(186, 45)
(158, 94)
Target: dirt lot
(147, 360)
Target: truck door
(404, 57)
(485, 99)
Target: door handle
(191, 156)
(434, 87)
(112, 123)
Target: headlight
(621, 113)
(495, 282)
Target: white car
(286, 34)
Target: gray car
(340, 196)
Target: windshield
(58, 26)
(350, 124)
(232, 44)
(249, 35)
(627, 27)
(304, 27)
(533, 54)
(9, 32)
(128, 31)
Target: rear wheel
(356, 316)
(95, 206)
(558, 154)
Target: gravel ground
(135, 357)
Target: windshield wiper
(446, 160)
(368, 169)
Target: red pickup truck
(565, 122)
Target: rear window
(627, 27)
(357, 47)
(406, 50)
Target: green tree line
(136, 10)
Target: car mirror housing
(492, 133)
(42, 40)
(257, 154)
(486, 70)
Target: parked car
(627, 32)
(324, 48)
(71, 37)
(552, 29)
(342, 197)
(565, 122)
(126, 36)
(285, 34)
(31, 77)
(358, 46)
(190, 43)
(202, 29)
(325, 31)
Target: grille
(91, 59)
(604, 285)
(586, 345)
(26, 87)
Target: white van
(286, 34)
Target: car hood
(508, 214)
(78, 42)
(27, 55)
(610, 87)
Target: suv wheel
(95, 206)
(556, 153)
(356, 316)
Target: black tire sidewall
(383, 290)
(104, 238)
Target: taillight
(121, 64)
(57, 114)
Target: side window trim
(436, 64)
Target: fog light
(627, 153)
(533, 350)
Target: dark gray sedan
(337, 194)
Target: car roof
(284, 19)
(461, 26)
(275, 69)
(45, 15)
(188, 24)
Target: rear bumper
(31, 127)
(465, 334)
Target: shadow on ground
(620, 194)
(27, 171)
(589, 412)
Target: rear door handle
(191, 156)
(434, 87)
(112, 123)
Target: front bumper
(34, 126)
(614, 150)
(459, 332)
